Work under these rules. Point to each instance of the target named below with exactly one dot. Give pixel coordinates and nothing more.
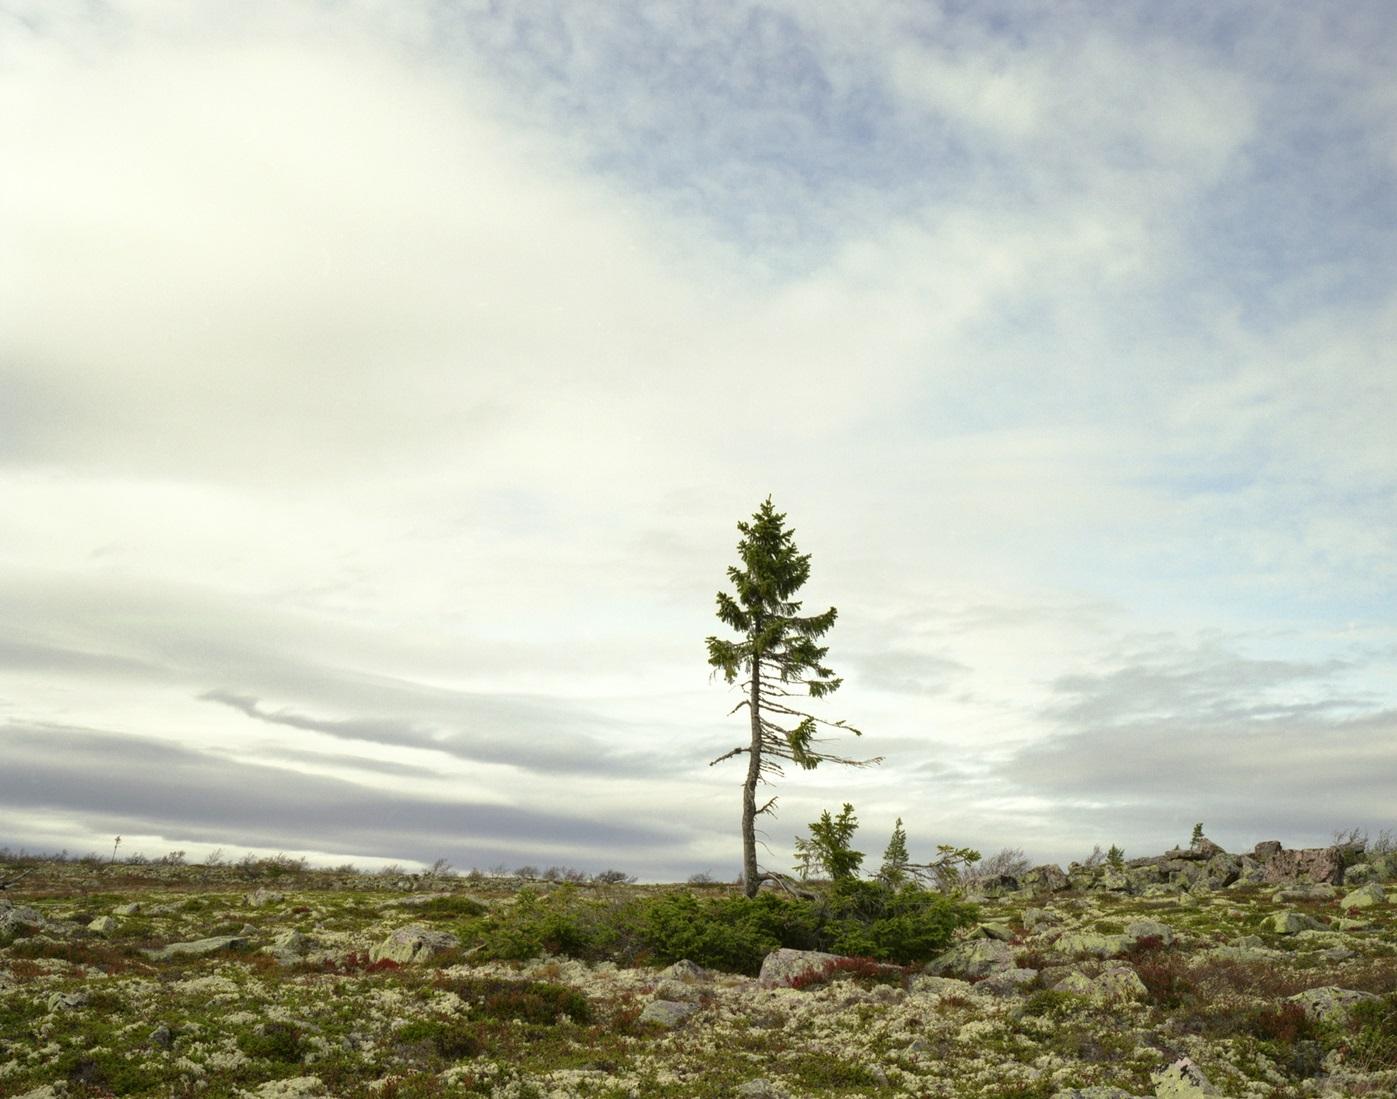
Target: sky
(382, 381)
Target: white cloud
(404, 370)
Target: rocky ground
(191, 981)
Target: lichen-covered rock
(1330, 1004)
(685, 970)
(1150, 929)
(260, 898)
(1001, 931)
(132, 909)
(1008, 982)
(667, 1013)
(197, 948)
(103, 925)
(1120, 983)
(678, 992)
(1316, 864)
(1364, 897)
(1291, 923)
(785, 965)
(1181, 1080)
(1048, 878)
(413, 943)
(14, 917)
(974, 958)
(1083, 944)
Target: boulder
(1001, 931)
(1364, 896)
(667, 1013)
(1036, 919)
(103, 925)
(263, 897)
(1330, 1004)
(1316, 864)
(1120, 983)
(413, 943)
(1150, 929)
(1266, 849)
(677, 992)
(1181, 1080)
(1079, 944)
(197, 948)
(781, 967)
(1007, 982)
(1291, 923)
(15, 917)
(1047, 878)
(684, 970)
(973, 959)
(132, 909)
(289, 947)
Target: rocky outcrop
(1182, 1080)
(1317, 864)
(413, 943)
(973, 959)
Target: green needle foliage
(829, 846)
(778, 651)
(896, 861)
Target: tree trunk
(751, 876)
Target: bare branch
(728, 755)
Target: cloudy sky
(381, 382)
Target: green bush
(449, 908)
(449, 1038)
(905, 925)
(556, 924)
(860, 918)
(727, 933)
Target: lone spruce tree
(779, 655)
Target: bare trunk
(751, 876)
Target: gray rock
(1291, 923)
(1316, 864)
(162, 1037)
(198, 948)
(1078, 944)
(132, 909)
(677, 991)
(1047, 878)
(1000, 931)
(67, 1001)
(782, 966)
(684, 970)
(263, 897)
(1330, 1004)
(667, 1013)
(1007, 982)
(289, 947)
(1364, 897)
(1150, 929)
(14, 917)
(974, 958)
(1037, 919)
(413, 943)
(103, 925)
(1120, 983)
(1181, 1080)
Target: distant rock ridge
(1203, 866)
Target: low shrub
(539, 1002)
(1372, 1040)
(728, 933)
